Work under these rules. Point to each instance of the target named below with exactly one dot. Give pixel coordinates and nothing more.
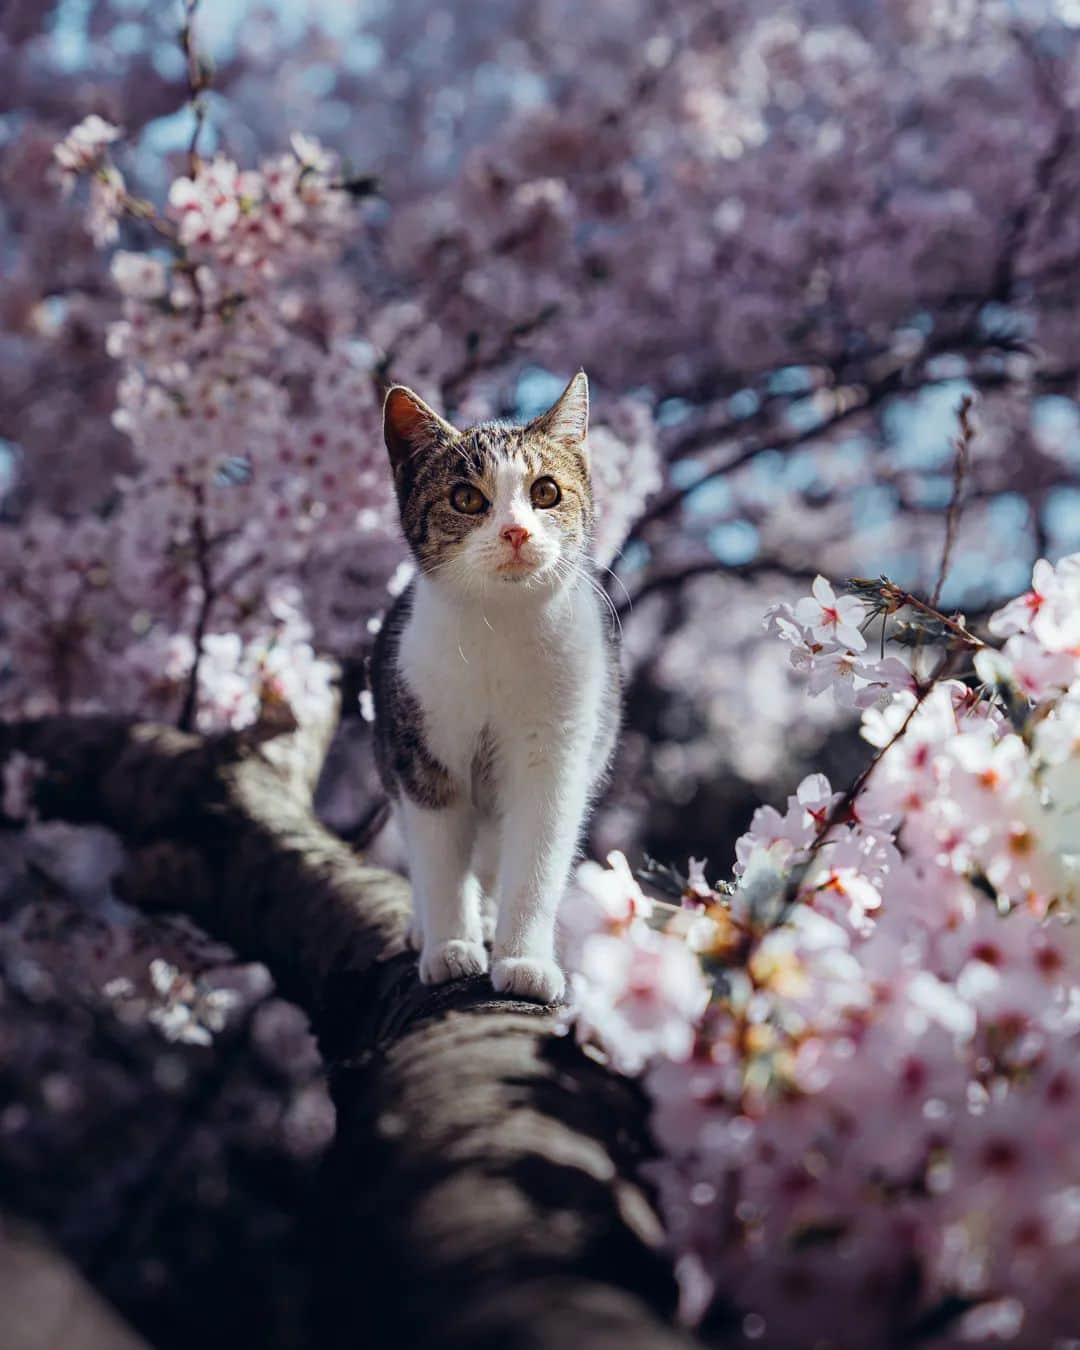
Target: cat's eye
(470, 501)
(545, 493)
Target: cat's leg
(414, 934)
(485, 866)
(446, 896)
(544, 804)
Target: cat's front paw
(453, 960)
(528, 977)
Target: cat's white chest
(506, 673)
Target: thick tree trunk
(483, 1188)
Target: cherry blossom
(614, 890)
(83, 147)
(108, 194)
(828, 665)
(1049, 611)
(886, 1055)
(139, 276)
(1057, 737)
(638, 995)
(189, 1010)
(832, 618)
(1018, 614)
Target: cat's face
(495, 506)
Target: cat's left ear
(567, 419)
(410, 426)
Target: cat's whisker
(602, 594)
(622, 584)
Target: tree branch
(896, 382)
(712, 566)
(483, 1190)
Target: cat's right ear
(410, 427)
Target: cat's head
(496, 506)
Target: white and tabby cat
(496, 685)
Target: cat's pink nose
(515, 536)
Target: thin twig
(842, 810)
(884, 597)
(673, 580)
(141, 1200)
(953, 625)
(140, 209)
(186, 720)
(198, 80)
(767, 442)
(962, 444)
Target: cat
(495, 679)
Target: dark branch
(484, 1187)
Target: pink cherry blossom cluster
(257, 223)
(188, 1010)
(828, 646)
(257, 449)
(625, 468)
(862, 1051)
(84, 150)
(1042, 635)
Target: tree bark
(483, 1189)
(47, 1303)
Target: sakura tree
(788, 243)
(765, 334)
